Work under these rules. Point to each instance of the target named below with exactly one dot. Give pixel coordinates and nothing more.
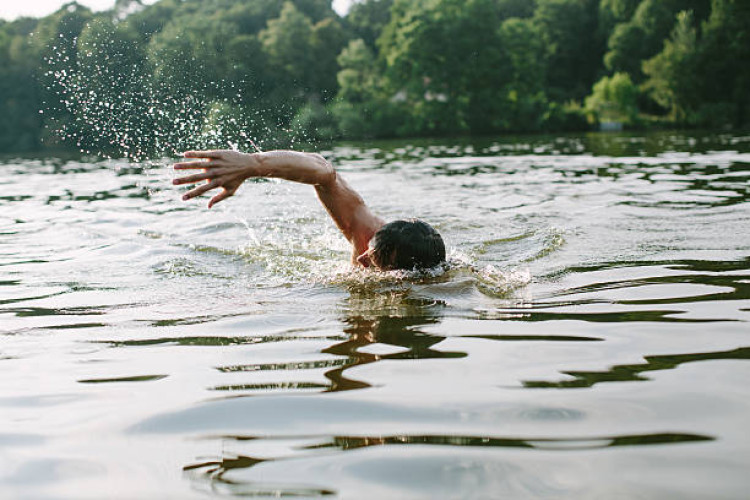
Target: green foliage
(451, 87)
(574, 46)
(522, 9)
(20, 122)
(566, 117)
(618, 10)
(327, 40)
(633, 41)
(286, 41)
(642, 36)
(614, 99)
(356, 79)
(523, 95)
(283, 70)
(670, 72)
(110, 61)
(221, 120)
(50, 51)
(723, 54)
(313, 123)
(363, 109)
(368, 18)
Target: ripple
(134, 378)
(217, 472)
(236, 351)
(632, 372)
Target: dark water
(591, 339)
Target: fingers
(192, 165)
(206, 156)
(207, 160)
(221, 196)
(192, 179)
(203, 154)
(200, 190)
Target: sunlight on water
(588, 334)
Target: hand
(221, 169)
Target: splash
(114, 104)
(488, 279)
(458, 272)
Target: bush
(314, 122)
(568, 117)
(377, 118)
(614, 99)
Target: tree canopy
(148, 79)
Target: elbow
(327, 172)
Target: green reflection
(737, 282)
(213, 471)
(44, 311)
(399, 325)
(662, 316)
(270, 386)
(208, 341)
(298, 365)
(395, 330)
(137, 378)
(716, 266)
(354, 442)
(727, 288)
(629, 373)
(535, 338)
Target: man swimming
(403, 244)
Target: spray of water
(111, 103)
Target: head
(404, 244)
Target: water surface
(590, 339)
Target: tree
(108, 92)
(316, 10)
(362, 107)
(612, 12)
(368, 18)
(671, 75)
(724, 50)
(20, 97)
(614, 99)
(523, 95)
(443, 81)
(153, 18)
(327, 40)
(642, 36)
(190, 52)
(356, 77)
(175, 69)
(53, 52)
(287, 41)
(569, 29)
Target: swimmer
(402, 244)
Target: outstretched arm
(227, 170)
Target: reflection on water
(220, 475)
(393, 332)
(622, 373)
(588, 339)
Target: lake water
(590, 340)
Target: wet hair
(407, 244)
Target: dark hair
(407, 244)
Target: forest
(275, 72)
